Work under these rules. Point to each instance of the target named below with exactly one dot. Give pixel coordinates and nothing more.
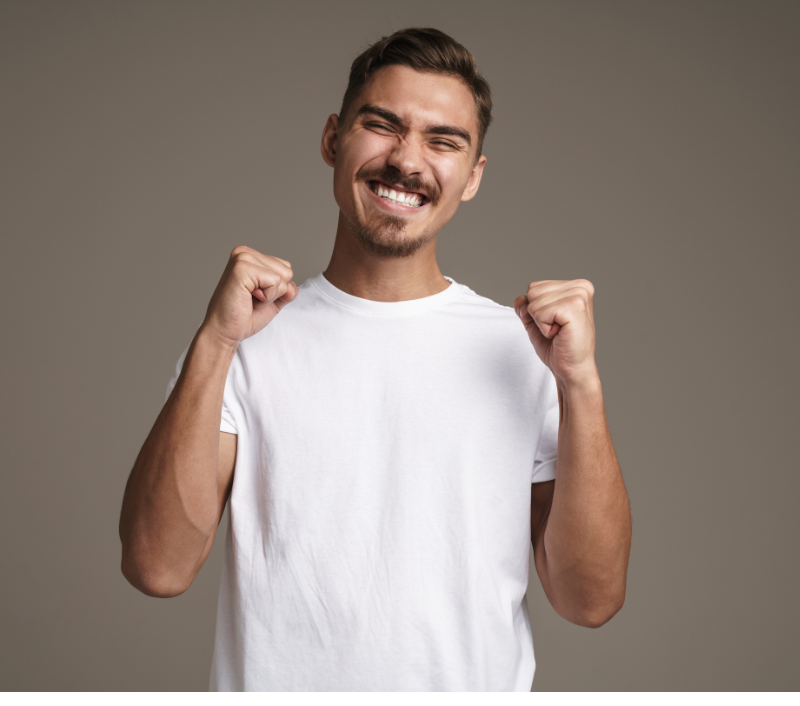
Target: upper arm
(226, 462)
(541, 502)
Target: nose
(406, 157)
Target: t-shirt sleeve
(544, 464)
(227, 422)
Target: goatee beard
(383, 236)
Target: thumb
(291, 294)
(521, 307)
(533, 327)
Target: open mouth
(398, 196)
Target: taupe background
(650, 147)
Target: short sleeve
(544, 463)
(227, 422)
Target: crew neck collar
(403, 308)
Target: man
(377, 429)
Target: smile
(403, 198)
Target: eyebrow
(449, 130)
(388, 115)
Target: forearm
(587, 537)
(171, 504)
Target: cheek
(343, 190)
(366, 149)
(452, 180)
(354, 155)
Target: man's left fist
(557, 315)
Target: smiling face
(404, 158)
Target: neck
(364, 274)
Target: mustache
(390, 175)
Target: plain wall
(649, 147)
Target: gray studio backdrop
(649, 147)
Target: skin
(419, 131)
(448, 163)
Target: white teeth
(402, 197)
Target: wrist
(215, 343)
(207, 363)
(583, 383)
(211, 352)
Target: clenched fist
(557, 315)
(252, 290)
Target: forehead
(421, 98)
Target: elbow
(598, 612)
(596, 618)
(591, 607)
(150, 581)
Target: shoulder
(497, 327)
(483, 311)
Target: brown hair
(423, 49)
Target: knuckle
(578, 301)
(242, 264)
(278, 262)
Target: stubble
(384, 234)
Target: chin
(385, 235)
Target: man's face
(404, 159)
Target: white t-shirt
(379, 530)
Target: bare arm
(182, 478)
(580, 523)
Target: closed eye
(380, 126)
(446, 145)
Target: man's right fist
(252, 290)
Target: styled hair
(423, 49)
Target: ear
(474, 179)
(330, 136)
